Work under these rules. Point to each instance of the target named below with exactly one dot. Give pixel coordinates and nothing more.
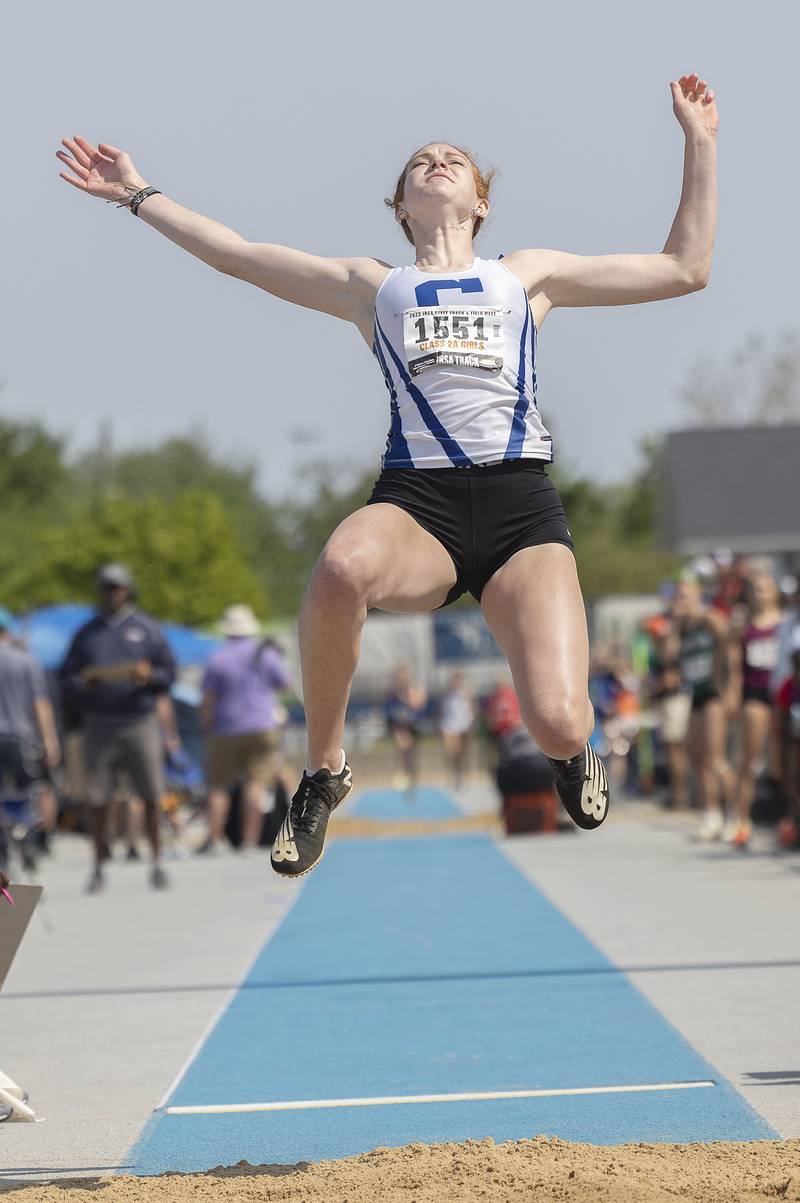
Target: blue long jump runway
(425, 966)
(394, 805)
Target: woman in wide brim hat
(239, 622)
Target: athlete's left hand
(694, 104)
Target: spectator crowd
(702, 703)
(705, 700)
(111, 754)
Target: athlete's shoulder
(531, 268)
(368, 269)
(527, 258)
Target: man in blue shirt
(117, 665)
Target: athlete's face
(688, 599)
(765, 590)
(440, 183)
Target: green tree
(33, 475)
(640, 499)
(307, 526)
(614, 529)
(186, 463)
(199, 533)
(183, 552)
(32, 468)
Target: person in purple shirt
(240, 716)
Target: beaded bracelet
(134, 198)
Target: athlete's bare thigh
(404, 568)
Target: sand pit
(542, 1169)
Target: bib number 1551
(453, 337)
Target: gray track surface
(99, 1015)
(708, 933)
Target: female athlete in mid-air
(463, 502)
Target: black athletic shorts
(756, 693)
(480, 515)
(22, 766)
(702, 695)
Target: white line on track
(309, 1104)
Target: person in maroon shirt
(501, 714)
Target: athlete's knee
(347, 569)
(563, 729)
(717, 765)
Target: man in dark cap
(117, 665)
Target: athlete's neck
(444, 249)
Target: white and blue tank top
(458, 354)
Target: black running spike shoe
(301, 839)
(582, 786)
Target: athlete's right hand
(100, 170)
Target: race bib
(762, 653)
(465, 337)
(698, 667)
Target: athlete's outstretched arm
(682, 266)
(342, 287)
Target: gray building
(735, 487)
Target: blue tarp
(462, 635)
(48, 632)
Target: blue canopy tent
(48, 632)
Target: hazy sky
(290, 122)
